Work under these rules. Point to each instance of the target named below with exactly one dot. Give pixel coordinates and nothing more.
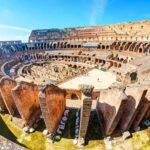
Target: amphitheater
(103, 69)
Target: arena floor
(96, 77)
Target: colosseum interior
(97, 69)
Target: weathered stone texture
(2, 104)
(27, 101)
(110, 107)
(53, 107)
(135, 95)
(143, 108)
(6, 85)
(86, 105)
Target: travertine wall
(27, 101)
(119, 108)
(2, 104)
(86, 105)
(135, 94)
(130, 31)
(144, 108)
(122, 109)
(53, 103)
(6, 85)
(110, 107)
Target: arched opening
(115, 64)
(74, 97)
(133, 76)
(121, 59)
(107, 47)
(68, 46)
(61, 45)
(119, 65)
(79, 46)
(103, 47)
(54, 46)
(75, 66)
(140, 50)
(98, 46)
(26, 57)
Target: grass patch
(37, 141)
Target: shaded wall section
(110, 107)
(6, 85)
(135, 94)
(27, 101)
(86, 105)
(144, 108)
(53, 103)
(2, 104)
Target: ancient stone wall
(131, 31)
(52, 106)
(27, 101)
(110, 107)
(86, 106)
(144, 108)
(2, 104)
(122, 109)
(6, 85)
(135, 94)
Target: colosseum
(97, 71)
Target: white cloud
(2, 26)
(8, 33)
(98, 10)
(23, 38)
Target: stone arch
(115, 64)
(79, 46)
(140, 50)
(26, 57)
(61, 45)
(133, 76)
(54, 45)
(107, 47)
(74, 96)
(99, 46)
(68, 45)
(103, 46)
(75, 66)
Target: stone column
(6, 85)
(2, 104)
(86, 103)
(44, 108)
(52, 103)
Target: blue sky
(19, 17)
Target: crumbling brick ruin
(111, 62)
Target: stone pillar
(6, 85)
(143, 107)
(110, 107)
(86, 103)
(44, 108)
(26, 98)
(135, 94)
(147, 115)
(2, 104)
(53, 103)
